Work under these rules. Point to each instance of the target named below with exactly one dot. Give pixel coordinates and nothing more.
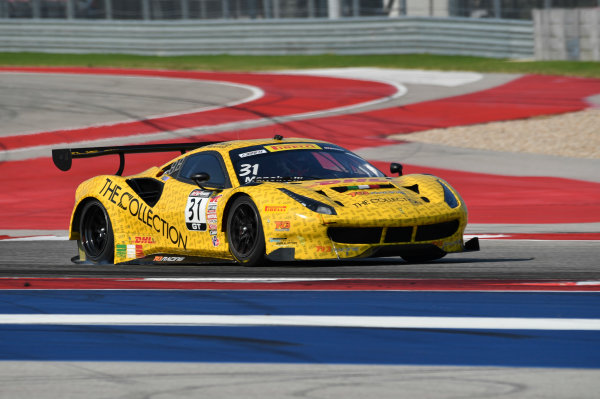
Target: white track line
(492, 323)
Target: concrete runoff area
(259, 380)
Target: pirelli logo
(297, 146)
(275, 208)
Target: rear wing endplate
(63, 157)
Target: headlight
(310, 203)
(449, 197)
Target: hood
(362, 193)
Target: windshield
(298, 161)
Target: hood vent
(343, 189)
(414, 187)
(324, 194)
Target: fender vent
(148, 189)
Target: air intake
(398, 234)
(436, 231)
(355, 235)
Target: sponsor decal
(211, 215)
(168, 258)
(282, 225)
(378, 201)
(143, 240)
(140, 210)
(252, 153)
(275, 208)
(165, 178)
(130, 251)
(281, 241)
(200, 193)
(297, 146)
(215, 241)
(329, 248)
(355, 193)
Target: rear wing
(63, 157)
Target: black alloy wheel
(96, 235)
(245, 232)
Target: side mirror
(200, 178)
(396, 168)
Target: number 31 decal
(195, 210)
(248, 169)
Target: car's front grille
(436, 231)
(372, 235)
(398, 234)
(355, 235)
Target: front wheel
(245, 233)
(95, 232)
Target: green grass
(263, 63)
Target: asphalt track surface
(498, 259)
(514, 260)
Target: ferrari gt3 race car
(247, 201)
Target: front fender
(286, 223)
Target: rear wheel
(245, 233)
(96, 235)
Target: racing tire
(96, 236)
(245, 233)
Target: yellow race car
(247, 201)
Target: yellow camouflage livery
(243, 201)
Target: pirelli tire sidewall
(246, 255)
(90, 231)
